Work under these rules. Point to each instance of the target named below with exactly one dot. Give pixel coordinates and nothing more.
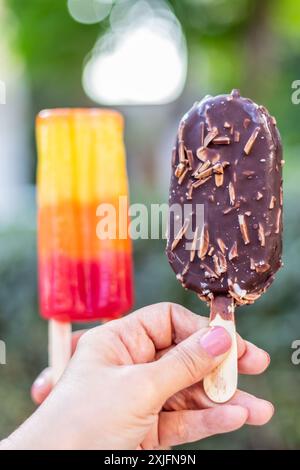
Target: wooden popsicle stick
(221, 384)
(60, 337)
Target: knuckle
(209, 425)
(181, 428)
(89, 338)
(92, 335)
(166, 307)
(192, 362)
(84, 339)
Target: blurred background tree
(246, 44)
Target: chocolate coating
(228, 157)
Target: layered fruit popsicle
(82, 165)
(228, 158)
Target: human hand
(136, 383)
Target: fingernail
(43, 379)
(40, 382)
(216, 341)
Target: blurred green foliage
(250, 44)
(53, 46)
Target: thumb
(191, 360)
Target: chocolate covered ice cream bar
(228, 158)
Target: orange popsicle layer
(70, 229)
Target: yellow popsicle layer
(81, 156)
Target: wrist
(42, 431)
(7, 444)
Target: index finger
(154, 328)
(165, 323)
(150, 331)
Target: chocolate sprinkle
(190, 158)
(244, 229)
(210, 136)
(251, 140)
(180, 234)
(222, 140)
(204, 242)
(181, 151)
